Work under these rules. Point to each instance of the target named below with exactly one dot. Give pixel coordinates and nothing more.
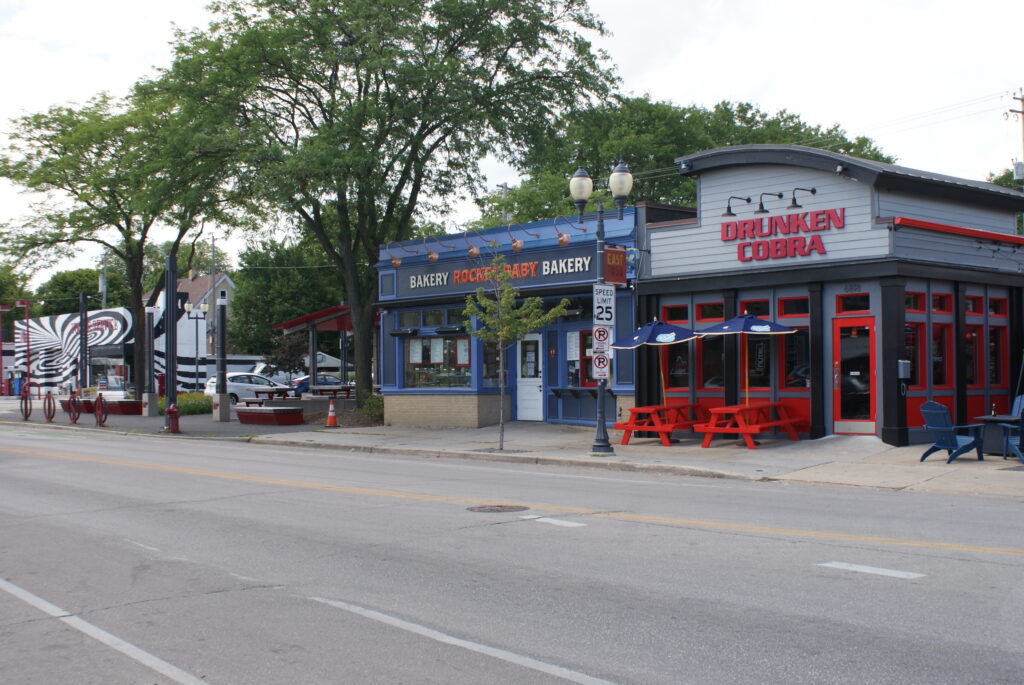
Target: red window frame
(974, 305)
(945, 305)
(918, 300)
(946, 332)
(745, 307)
(781, 307)
(841, 309)
(998, 306)
(702, 317)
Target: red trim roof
(334, 318)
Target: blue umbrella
(747, 323)
(654, 333)
(750, 325)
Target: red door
(853, 375)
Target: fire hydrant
(172, 418)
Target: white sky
(929, 81)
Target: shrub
(190, 404)
(372, 406)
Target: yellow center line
(583, 511)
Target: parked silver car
(241, 385)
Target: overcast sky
(930, 82)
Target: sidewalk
(836, 460)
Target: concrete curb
(120, 431)
(511, 457)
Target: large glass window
(997, 361)
(408, 319)
(941, 376)
(794, 306)
(795, 350)
(973, 356)
(712, 361)
(759, 355)
(437, 362)
(433, 317)
(677, 363)
(913, 342)
(491, 365)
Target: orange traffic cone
(332, 418)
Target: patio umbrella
(747, 324)
(655, 333)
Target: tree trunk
(502, 382)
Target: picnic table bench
(335, 391)
(746, 420)
(271, 393)
(662, 419)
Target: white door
(529, 380)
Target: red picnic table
(746, 420)
(662, 419)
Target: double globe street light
(581, 186)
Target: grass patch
(190, 404)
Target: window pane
(710, 311)
(972, 355)
(408, 319)
(712, 365)
(996, 361)
(433, 317)
(432, 363)
(490, 365)
(940, 355)
(854, 303)
(680, 313)
(755, 307)
(759, 355)
(678, 358)
(796, 355)
(796, 306)
(912, 352)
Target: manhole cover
(497, 508)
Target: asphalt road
(132, 559)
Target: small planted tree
(503, 319)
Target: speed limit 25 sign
(604, 304)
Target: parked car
(301, 384)
(240, 385)
(272, 372)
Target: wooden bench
(270, 416)
(746, 420)
(663, 419)
(250, 402)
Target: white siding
(699, 247)
(945, 212)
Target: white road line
(554, 522)
(511, 657)
(906, 575)
(139, 544)
(112, 641)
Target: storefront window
(913, 340)
(755, 307)
(711, 311)
(408, 319)
(914, 302)
(942, 303)
(997, 361)
(677, 361)
(456, 317)
(972, 356)
(712, 363)
(433, 317)
(859, 303)
(677, 313)
(587, 358)
(437, 362)
(941, 376)
(974, 304)
(491, 363)
(997, 306)
(795, 350)
(759, 355)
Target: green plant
(372, 406)
(190, 404)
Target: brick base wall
(623, 403)
(456, 411)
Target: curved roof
(877, 174)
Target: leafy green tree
(648, 136)
(59, 295)
(111, 172)
(13, 287)
(278, 282)
(505, 320)
(1005, 179)
(357, 109)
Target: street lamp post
(3, 308)
(200, 316)
(580, 188)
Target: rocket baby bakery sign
(799, 234)
(565, 265)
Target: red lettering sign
(615, 264)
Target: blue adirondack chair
(944, 433)
(1012, 430)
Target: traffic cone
(332, 418)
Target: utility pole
(1018, 167)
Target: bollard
(172, 418)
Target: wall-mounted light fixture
(517, 243)
(564, 238)
(472, 250)
(728, 205)
(840, 169)
(396, 261)
(794, 204)
(684, 167)
(760, 203)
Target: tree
(1005, 178)
(357, 109)
(13, 287)
(111, 172)
(277, 282)
(504, 320)
(59, 295)
(648, 136)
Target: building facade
(903, 286)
